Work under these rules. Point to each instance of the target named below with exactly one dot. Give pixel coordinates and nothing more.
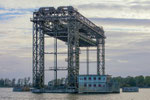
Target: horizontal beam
(89, 62)
(55, 53)
(58, 69)
(89, 50)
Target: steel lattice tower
(68, 25)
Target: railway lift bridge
(68, 25)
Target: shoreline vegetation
(6, 82)
(137, 81)
(129, 81)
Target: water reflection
(72, 97)
(7, 94)
(38, 97)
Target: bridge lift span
(68, 25)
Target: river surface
(7, 94)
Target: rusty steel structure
(68, 25)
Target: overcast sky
(126, 24)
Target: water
(7, 94)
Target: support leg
(87, 56)
(73, 54)
(38, 56)
(103, 57)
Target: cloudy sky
(126, 24)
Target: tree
(13, 81)
(147, 81)
(139, 81)
(1, 82)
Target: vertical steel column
(98, 57)
(55, 60)
(55, 54)
(34, 56)
(103, 56)
(41, 56)
(73, 53)
(76, 31)
(71, 72)
(38, 55)
(87, 56)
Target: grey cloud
(122, 21)
(135, 52)
(135, 2)
(115, 6)
(140, 7)
(99, 6)
(138, 64)
(14, 66)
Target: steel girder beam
(73, 54)
(87, 40)
(82, 38)
(38, 56)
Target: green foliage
(139, 81)
(1, 82)
(147, 81)
(11, 83)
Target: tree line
(139, 81)
(6, 82)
